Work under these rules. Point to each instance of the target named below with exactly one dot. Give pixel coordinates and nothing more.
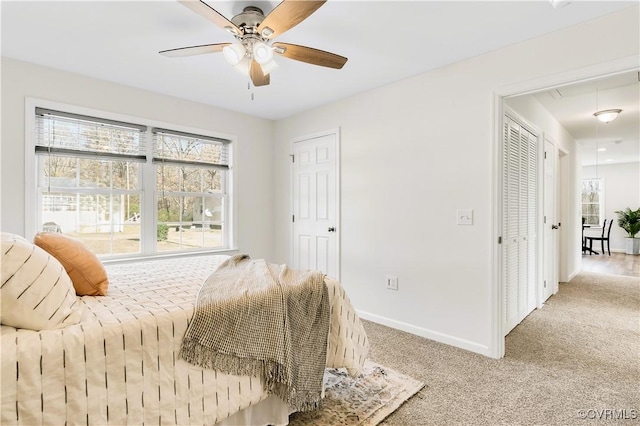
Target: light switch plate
(464, 217)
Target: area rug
(364, 400)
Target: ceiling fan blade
(287, 15)
(206, 11)
(310, 55)
(258, 78)
(194, 50)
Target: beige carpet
(577, 356)
(363, 400)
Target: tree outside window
(592, 201)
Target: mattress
(120, 365)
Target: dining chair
(602, 239)
(584, 243)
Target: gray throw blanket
(258, 319)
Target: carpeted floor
(577, 356)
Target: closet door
(519, 225)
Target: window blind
(67, 134)
(180, 148)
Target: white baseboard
(574, 274)
(429, 334)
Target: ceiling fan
(252, 53)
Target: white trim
(336, 133)
(160, 256)
(530, 127)
(338, 204)
(581, 75)
(148, 197)
(630, 63)
(30, 193)
(574, 274)
(540, 225)
(232, 188)
(427, 333)
(496, 292)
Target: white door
(550, 223)
(315, 204)
(519, 222)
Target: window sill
(140, 258)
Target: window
(99, 180)
(190, 196)
(592, 201)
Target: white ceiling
(385, 41)
(603, 143)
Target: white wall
(415, 151)
(253, 171)
(569, 185)
(621, 190)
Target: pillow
(84, 268)
(36, 292)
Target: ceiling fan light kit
(252, 54)
(607, 115)
(262, 52)
(234, 53)
(243, 66)
(269, 66)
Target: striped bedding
(120, 366)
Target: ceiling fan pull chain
(249, 87)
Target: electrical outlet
(392, 282)
(464, 217)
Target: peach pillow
(84, 268)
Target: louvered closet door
(518, 222)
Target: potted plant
(629, 220)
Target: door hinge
(500, 240)
(293, 218)
(293, 158)
(545, 283)
(545, 155)
(545, 219)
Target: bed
(120, 364)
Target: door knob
(332, 229)
(554, 227)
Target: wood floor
(616, 264)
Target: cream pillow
(36, 292)
(84, 268)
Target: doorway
(315, 224)
(569, 261)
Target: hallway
(616, 264)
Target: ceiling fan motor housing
(249, 19)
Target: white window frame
(600, 201)
(148, 197)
